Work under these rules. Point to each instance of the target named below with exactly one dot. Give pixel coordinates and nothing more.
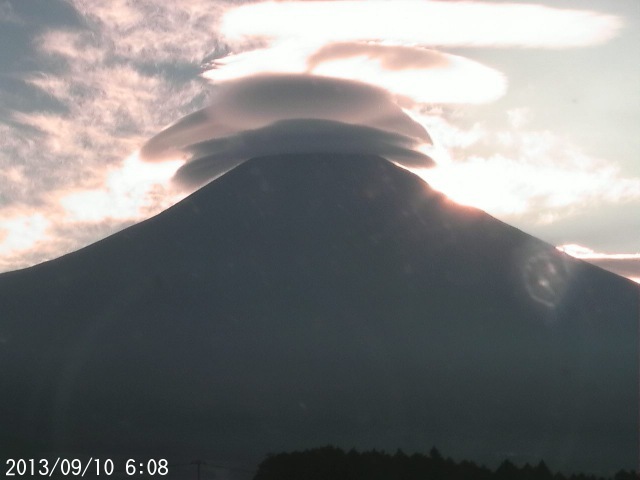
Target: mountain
(300, 301)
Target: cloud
(148, 31)
(257, 102)
(26, 239)
(364, 44)
(436, 23)
(214, 157)
(134, 190)
(516, 173)
(115, 82)
(131, 69)
(507, 186)
(624, 264)
(21, 239)
(66, 220)
(391, 44)
(21, 232)
(391, 57)
(108, 100)
(421, 74)
(8, 15)
(126, 73)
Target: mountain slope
(304, 300)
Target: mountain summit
(299, 301)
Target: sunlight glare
(22, 232)
(478, 184)
(578, 251)
(125, 194)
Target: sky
(110, 112)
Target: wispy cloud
(115, 82)
(151, 31)
(28, 239)
(65, 220)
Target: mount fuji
(305, 300)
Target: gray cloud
(260, 100)
(213, 158)
(8, 15)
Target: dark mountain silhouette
(306, 300)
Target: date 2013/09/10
(75, 467)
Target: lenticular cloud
(213, 158)
(279, 114)
(352, 77)
(422, 22)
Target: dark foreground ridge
(331, 463)
(311, 300)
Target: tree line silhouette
(332, 463)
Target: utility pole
(198, 463)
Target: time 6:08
(151, 467)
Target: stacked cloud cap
(292, 85)
(273, 114)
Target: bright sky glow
(126, 193)
(21, 232)
(506, 186)
(466, 184)
(624, 264)
(585, 253)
